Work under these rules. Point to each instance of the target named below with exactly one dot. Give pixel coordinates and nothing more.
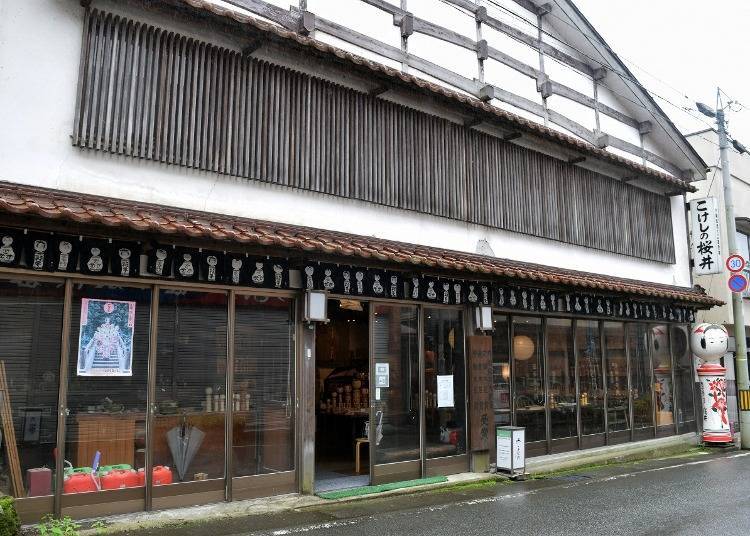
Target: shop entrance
(342, 451)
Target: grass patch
(468, 486)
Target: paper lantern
(523, 347)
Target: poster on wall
(105, 341)
(445, 391)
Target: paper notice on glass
(105, 340)
(445, 391)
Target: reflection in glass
(590, 377)
(190, 384)
(501, 370)
(640, 375)
(528, 377)
(107, 388)
(662, 360)
(30, 327)
(617, 377)
(396, 342)
(263, 398)
(445, 424)
(683, 372)
(561, 374)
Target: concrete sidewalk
(228, 517)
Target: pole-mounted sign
(705, 243)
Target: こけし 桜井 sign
(705, 243)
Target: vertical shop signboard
(705, 243)
(480, 385)
(105, 340)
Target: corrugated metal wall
(154, 94)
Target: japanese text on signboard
(705, 245)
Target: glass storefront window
(662, 361)
(590, 377)
(445, 424)
(640, 375)
(31, 327)
(684, 382)
(501, 371)
(263, 397)
(395, 335)
(528, 377)
(618, 406)
(107, 379)
(561, 375)
(190, 384)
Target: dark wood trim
(448, 465)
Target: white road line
(497, 498)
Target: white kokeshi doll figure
(328, 280)
(347, 281)
(258, 277)
(501, 297)
(394, 286)
(64, 247)
(236, 268)
(278, 272)
(457, 290)
(95, 263)
(186, 268)
(599, 306)
(609, 307)
(161, 256)
(7, 255)
(586, 305)
(431, 294)
(485, 295)
(309, 271)
(542, 302)
(513, 300)
(40, 247)
(124, 254)
(446, 293)
(578, 304)
(212, 261)
(524, 302)
(377, 287)
(415, 288)
(567, 303)
(359, 276)
(472, 297)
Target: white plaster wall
(37, 95)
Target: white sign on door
(705, 244)
(445, 391)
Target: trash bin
(511, 449)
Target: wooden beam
(306, 23)
(487, 93)
(645, 127)
(431, 29)
(576, 160)
(512, 136)
(468, 5)
(482, 49)
(473, 122)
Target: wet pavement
(697, 494)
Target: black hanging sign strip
(10, 247)
(235, 269)
(160, 259)
(186, 261)
(65, 255)
(212, 266)
(125, 259)
(39, 249)
(94, 256)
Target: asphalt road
(701, 494)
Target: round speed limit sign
(735, 263)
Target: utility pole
(740, 360)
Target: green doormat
(367, 490)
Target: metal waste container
(511, 449)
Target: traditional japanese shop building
(181, 179)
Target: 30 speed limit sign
(735, 263)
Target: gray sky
(676, 42)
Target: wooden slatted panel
(153, 94)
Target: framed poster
(105, 341)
